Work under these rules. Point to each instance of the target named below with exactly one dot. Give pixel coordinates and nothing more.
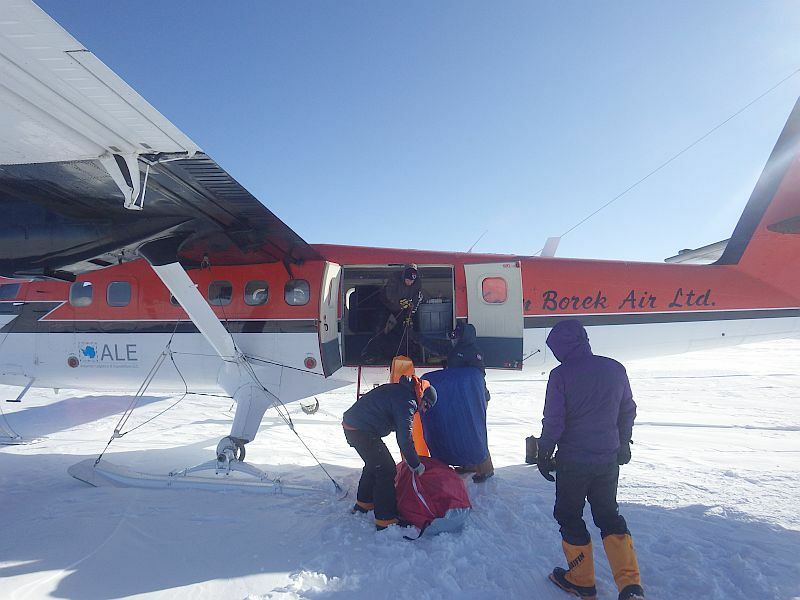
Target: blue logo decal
(89, 352)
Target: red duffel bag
(436, 502)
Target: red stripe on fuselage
(551, 286)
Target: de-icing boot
(624, 566)
(579, 579)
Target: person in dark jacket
(402, 291)
(465, 353)
(387, 408)
(588, 414)
(400, 297)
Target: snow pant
(578, 482)
(376, 486)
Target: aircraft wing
(89, 171)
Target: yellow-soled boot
(362, 507)
(579, 579)
(624, 566)
(381, 524)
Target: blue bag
(455, 428)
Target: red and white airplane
(124, 238)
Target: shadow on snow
(119, 542)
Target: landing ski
(105, 473)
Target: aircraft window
(494, 290)
(296, 292)
(256, 292)
(220, 293)
(80, 293)
(118, 293)
(173, 300)
(9, 291)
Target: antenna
(476, 241)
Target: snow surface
(711, 498)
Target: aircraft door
(328, 319)
(494, 300)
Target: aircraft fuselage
(83, 336)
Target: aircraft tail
(766, 241)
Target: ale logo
(93, 354)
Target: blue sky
(420, 124)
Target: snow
(711, 498)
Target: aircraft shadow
(117, 542)
(44, 420)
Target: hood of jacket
(568, 340)
(468, 334)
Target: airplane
(133, 261)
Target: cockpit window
(9, 291)
(80, 293)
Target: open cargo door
(328, 319)
(494, 299)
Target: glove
(419, 469)
(624, 453)
(405, 303)
(408, 322)
(546, 463)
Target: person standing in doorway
(400, 297)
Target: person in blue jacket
(588, 414)
(465, 353)
(386, 408)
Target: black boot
(558, 576)
(632, 592)
(362, 507)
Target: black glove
(624, 453)
(545, 462)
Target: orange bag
(402, 365)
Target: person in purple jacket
(588, 414)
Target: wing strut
(237, 377)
